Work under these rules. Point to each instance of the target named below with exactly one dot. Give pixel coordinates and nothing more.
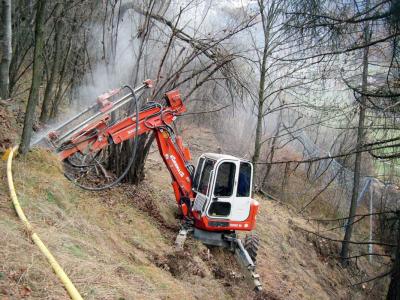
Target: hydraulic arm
(96, 134)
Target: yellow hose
(69, 286)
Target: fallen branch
(374, 278)
(357, 215)
(341, 241)
(207, 111)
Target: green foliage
(75, 250)
(50, 197)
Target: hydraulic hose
(69, 286)
(131, 161)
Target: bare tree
(267, 22)
(275, 76)
(6, 49)
(360, 141)
(179, 71)
(54, 72)
(36, 77)
(394, 286)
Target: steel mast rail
(115, 105)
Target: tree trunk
(136, 174)
(259, 126)
(260, 108)
(357, 164)
(394, 286)
(6, 48)
(36, 78)
(272, 152)
(49, 92)
(60, 91)
(261, 90)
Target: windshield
(205, 176)
(225, 179)
(197, 174)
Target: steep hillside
(117, 244)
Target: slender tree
(36, 77)
(394, 286)
(275, 76)
(6, 49)
(57, 55)
(267, 22)
(360, 141)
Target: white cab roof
(218, 156)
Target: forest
(307, 91)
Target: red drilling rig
(214, 198)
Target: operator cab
(223, 186)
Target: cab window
(205, 176)
(197, 174)
(225, 180)
(244, 183)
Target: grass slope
(117, 244)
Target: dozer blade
(234, 244)
(181, 238)
(244, 259)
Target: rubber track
(251, 244)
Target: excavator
(214, 198)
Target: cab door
(242, 201)
(231, 197)
(223, 189)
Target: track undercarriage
(245, 253)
